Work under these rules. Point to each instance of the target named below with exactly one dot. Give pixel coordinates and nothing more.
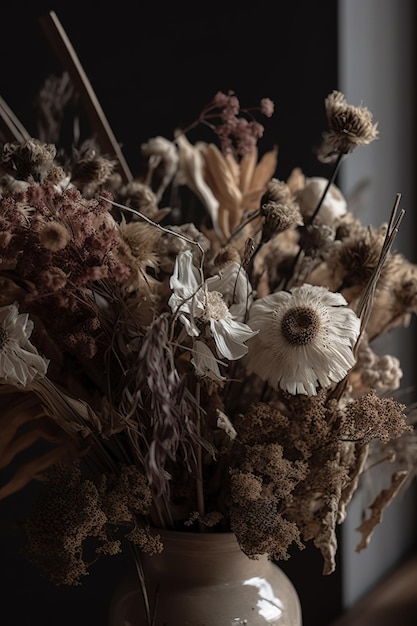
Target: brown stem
(200, 488)
(316, 210)
(61, 44)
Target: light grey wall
(377, 66)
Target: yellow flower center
(300, 325)
(215, 307)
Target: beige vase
(204, 579)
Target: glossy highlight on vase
(269, 606)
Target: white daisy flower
(20, 361)
(233, 283)
(195, 301)
(305, 339)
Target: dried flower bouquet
(194, 346)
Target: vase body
(204, 579)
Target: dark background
(153, 67)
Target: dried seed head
(350, 126)
(92, 169)
(28, 161)
(300, 325)
(315, 238)
(54, 236)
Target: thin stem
(64, 49)
(315, 213)
(149, 618)
(200, 489)
(159, 227)
(329, 183)
(365, 304)
(245, 223)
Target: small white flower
(305, 339)
(194, 301)
(225, 424)
(185, 283)
(334, 205)
(205, 363)
(20, 361)
(233, 283)
(191, 173)
(162, 154)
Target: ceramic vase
(204, 579)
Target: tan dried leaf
(354, 475)
(23, 442)
(74, 416)
(247, 170)
(234, 168)
(252, 199)
(265, 169)
(224, 221)
(377, 509)
(192, 166)
(325, 539)
(33, 470)
(220, 177)
(18, 409)
(296, 180)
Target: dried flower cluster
(202, 366)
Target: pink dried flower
(237, 129)
(5, 238)
(267, 107)
(55, 278)
(229, 104)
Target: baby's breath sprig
(236, 128)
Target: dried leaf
(354, 474)
(224, 222)
(23, 442)
(265, 169)
(326, 542)
(221, 179)
(247, 170)
(322, 532)
(19, 409)
(74, 416)
(377, 509)
(192, 166)
(296, 180)
(234, 167)
(25, 410)
(252, 199)
(32, 470)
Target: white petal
(225, 424)
(233, 283)
(229, 336)
(205, 363)
(191, 173)
(185, 279)
(20, 361)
